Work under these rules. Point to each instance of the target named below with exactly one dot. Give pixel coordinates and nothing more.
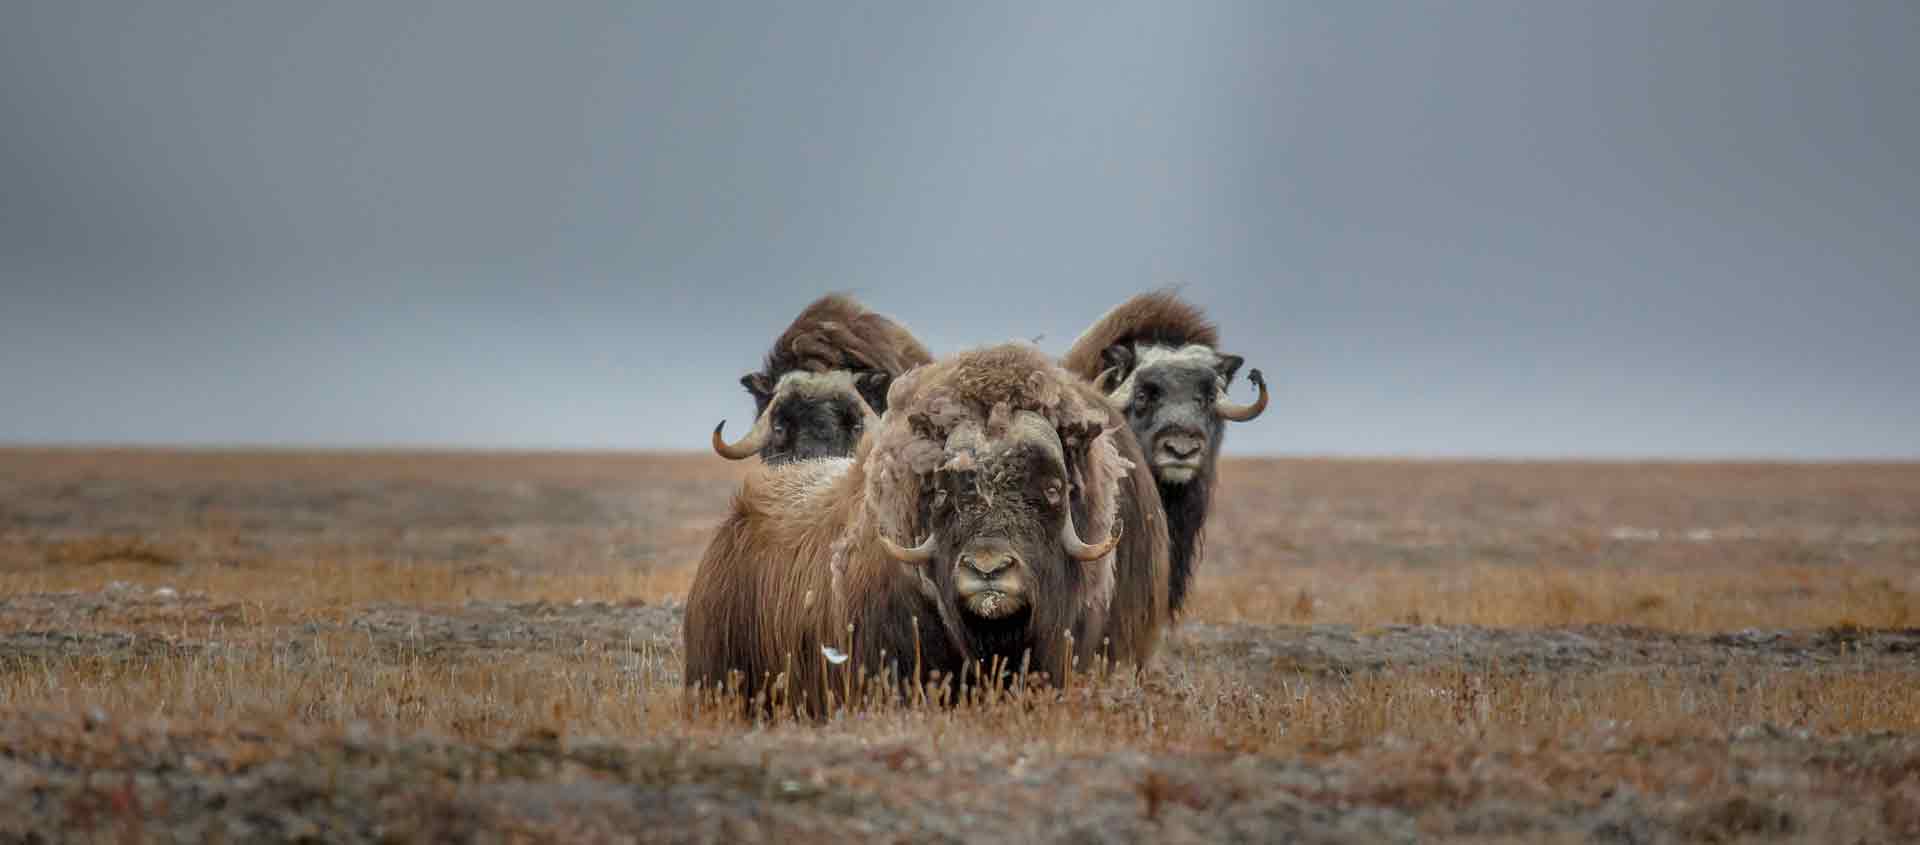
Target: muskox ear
(873, 385)
(1119, 359)
(760, 385)
(1227, 365)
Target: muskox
(1158, 360)
(955, 538)
(825, 372)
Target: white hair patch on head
(825, 385)
(1193, 355)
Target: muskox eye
(1053, 492)
(1149, 394)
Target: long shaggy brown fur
(799, 560)
(763, 603)
(836, 332)
(965, 388)
(1157, 318)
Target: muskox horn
(918, 554)
(1104, 381)
(756, 438)
(1243, 413)
(1078, 548)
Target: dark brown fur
(799, 558)
(836, 332)
(1154, 318)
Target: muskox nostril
(1180, 448)
(987, 565)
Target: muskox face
(1174, 399)
(1002, 547)
(805, 416)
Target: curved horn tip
(1243, 413)
(1080, 551)
(917, 554)
(748, 445)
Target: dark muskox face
(805, 416)
(1174, 399)
(1003, 547)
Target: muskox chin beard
(993, 605)
(1173, 475)
(1186, 506)
(1006, 639)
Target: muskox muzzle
(990, 579)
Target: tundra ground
(207, 646)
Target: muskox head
(1002, 517)
(991, 507)
(806, 415)
(827, 371)
(1175, 400)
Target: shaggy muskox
(1158, 360)
(953, 538)
(825, 372)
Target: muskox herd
(927, 519)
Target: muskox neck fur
(1186, 507)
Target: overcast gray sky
(1476, 228)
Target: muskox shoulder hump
(1157, 318)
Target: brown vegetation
(348, 646)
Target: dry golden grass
(300, 588)
(1699, 601)
(339, 677)
(265, 622)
